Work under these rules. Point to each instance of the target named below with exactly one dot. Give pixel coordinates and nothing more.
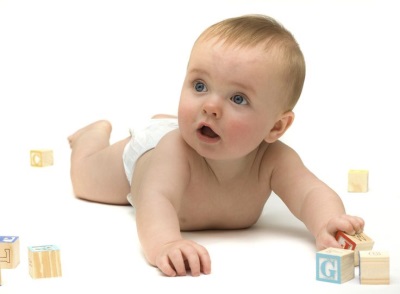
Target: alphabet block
(358, 181)
(0, 275)
(9, 251)
(357, 242)
(374, 267)
(335, 265)
(44, 261)
(42, 157)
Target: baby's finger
(327, 241)
(343, 223)
(163, 263)
(177, 261)
(358, 224)
(354, 225)
(205, 261)
(192, 259)
(338, 224)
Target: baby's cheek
(243, 133)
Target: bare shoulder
(173, 147)
(280, 154)
(289, 176)
(164, 170)
(281, 162)
(171, 155)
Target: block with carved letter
(357, 242)
(357, 181)
(42, 157)
(44, 261)
(335, 265)
(374, 267)
(9, 251)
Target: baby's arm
(309, 199)
(157, 188)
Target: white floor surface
(64, 64)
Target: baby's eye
(200, 87)
(239, 99)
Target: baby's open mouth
(208, 132)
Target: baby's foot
(98, 126)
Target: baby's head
(243, 79)
(249, 31)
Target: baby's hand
(346, 223)
(177, 257)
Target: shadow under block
(42, 157)
(357, 181)
(374, 267)
(335, 265)
(44, 261)
(356, 243)
(9, 252)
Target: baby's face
(230, 100)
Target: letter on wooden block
(374, 267)
(41, 158)
(44, 261)
(335, 265)
(358, 181)
(357, 242)
(9, 251)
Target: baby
(215, 165)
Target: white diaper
(145, 140)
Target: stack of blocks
(44, 261)
(336, 265)
(357, 242)
(42, 157)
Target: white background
(64, 64)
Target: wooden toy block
(44, 261)
(9, 251)
(357, 242)
(374, 267)
(42, 157)
(335, 265)
(0, 275)
(358, 181)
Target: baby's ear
(280, 127)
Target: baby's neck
(230, 170)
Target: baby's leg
(97, 170)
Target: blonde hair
(253, 30)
